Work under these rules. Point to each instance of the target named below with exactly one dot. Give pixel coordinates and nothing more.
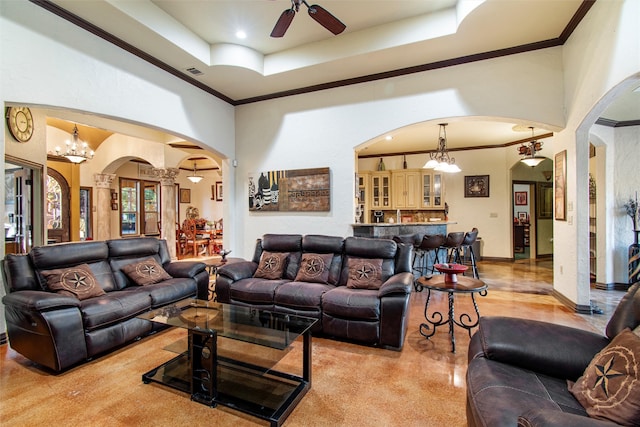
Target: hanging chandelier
(195, 178)
(76, 151)
(440, 160)
(528, 151)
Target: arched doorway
(532, 207)
(57, 211)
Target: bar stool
(413, 240)
(467, 249)
(452, 246)
(429, 247)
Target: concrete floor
(353, 385)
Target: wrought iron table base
(437, 319)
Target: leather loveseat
(518, 370)
(58, 330)
(376, 316)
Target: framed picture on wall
(185, 195)
(218, 191)
(521, 198)
(476, 186)
(560, 182)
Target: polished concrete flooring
(353, 385)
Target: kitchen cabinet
(432, 190)
(410, 189)
(406, 189)
(380, 194)
(363, 197)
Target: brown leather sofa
(58, 331)
(518, 369)
(370, 316)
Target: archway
(532, 205)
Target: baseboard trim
(615, 286)
(3, 338)
(494, 259)
(578, 308)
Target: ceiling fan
(318, 13)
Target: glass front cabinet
(380, 191)
(432, 190)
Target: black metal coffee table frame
(214, 380)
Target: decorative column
(103, 182)
(168, 206)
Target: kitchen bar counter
(388, 230)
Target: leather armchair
(518, 368)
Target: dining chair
(193, 241)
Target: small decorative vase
(634, 259)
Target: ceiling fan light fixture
(316, 12)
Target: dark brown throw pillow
(78, 282)
(272, 265)
(145, 272)
(364, 273)
(609, 389)
(314, 268)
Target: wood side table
(464, 285)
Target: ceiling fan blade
(283, 23)
(327, 20)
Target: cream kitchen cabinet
(405, 189)
(380, 194)
(432, 190)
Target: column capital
(103, 180)
(167, 175)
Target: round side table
(464, 285)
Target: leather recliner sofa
(518, 368)
(58, 331)
(370, 316)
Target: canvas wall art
(302, 190)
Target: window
(54, 204)
(85, 213)
(151, 209)
(139, 216)
(129, 207)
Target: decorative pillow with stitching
(272, 265)
(78, 282)
(364, 273)
(314, 268)
(145, 272)
(609, 389)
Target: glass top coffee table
(231, 354)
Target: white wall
(627, 179)
(490, 215)
(322, 129)
(49, 62)
(603, 52)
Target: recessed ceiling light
(241, 34)
(388, 137)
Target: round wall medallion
(20, 123)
